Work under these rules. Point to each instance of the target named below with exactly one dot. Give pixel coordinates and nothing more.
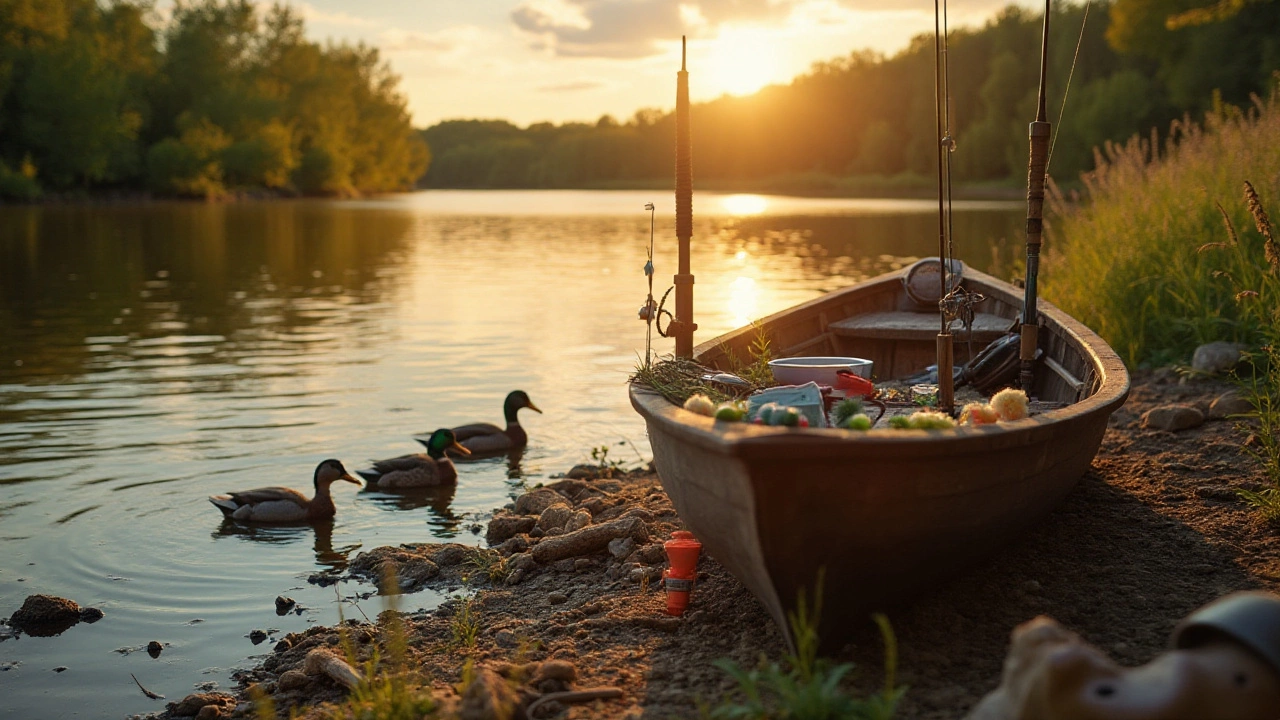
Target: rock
(45, 615)
(557, 598)
(638, 574)
(293, 680)
(1228, 404)
(503, 527)
(554, 518)
(209, 712)
(553, 532)
(506, 639)
(257, 636)
(284, 604)
(1216, 357)
(283, 646)
(621, 547)
(594, 505)
(1217, 492)
(449, 555)
(488, 697)
(650, 555)
(523, 561)
(582, 565)
(585, 472)
(535, 501)
(580, 519)
(561, 670)
(1172, 418)
(90, 615)
(60, 669)
(516, 544)
(193, 703)
(154, 648)
(588, 540)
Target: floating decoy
(487, 438)
(283, 505)
(421, 469)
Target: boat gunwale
(740, 439)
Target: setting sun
(742, 61)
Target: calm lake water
(153, 354)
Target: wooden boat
(887, 513)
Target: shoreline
(824, 188)
(1154, 530)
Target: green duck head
(515, 401)
(441, 440)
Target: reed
(1129, 257)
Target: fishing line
(1067, 89)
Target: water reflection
(326, 554)
(437, 500)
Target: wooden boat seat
(923, 326)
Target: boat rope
(1062, 110)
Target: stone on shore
(588, 540)
(1216, 357)
(504, 527)
(488, 697)
(1228, 404)
(191, 705)
(535, 501)
(1172, 418)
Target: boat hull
(884, 515)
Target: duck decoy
(487, 438)
(284, 505)
(420, 469)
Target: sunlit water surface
(153, 354)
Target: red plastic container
(683, 550)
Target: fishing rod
(682, 326)
(945, 346)
(1039, 133)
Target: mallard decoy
(418, 470)
(283, 505)
(486, 438)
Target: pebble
(537, 500)
(90, 615)
(582, 565)
(154, 648)
(579, 520)
(557, 670)
(293, 680)
(503, 528)
(257, 636)
(1228, 404)
(621, 547)
(1172, 418)
(557, 598)
(1216, 357)
(650, 555)
(506, 639)
(554, 517)
(60, 668)
(283, 604)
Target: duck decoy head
(441, 440)
(515, 401)
(331, 471)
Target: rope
(1067, 90)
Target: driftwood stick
(573, 696)
(323, 662)
(148, 693)
(589, 539)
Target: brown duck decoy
(489, 439)
(285, 505)
(429, 469)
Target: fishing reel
(652, 312)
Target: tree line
(221, 98)
(1141, 64)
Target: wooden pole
(945, 357)
(1036, 169)
(682, 326)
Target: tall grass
(1124, 260)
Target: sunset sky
(558, 60)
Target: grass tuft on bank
(1127, 260)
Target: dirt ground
(1153, 531)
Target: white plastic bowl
(822, 370)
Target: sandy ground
(1153, 531)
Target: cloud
(446, 42)
(575, 86)
(632, 28)
(316, 16)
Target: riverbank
(1153, 531)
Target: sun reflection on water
(745, 204)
